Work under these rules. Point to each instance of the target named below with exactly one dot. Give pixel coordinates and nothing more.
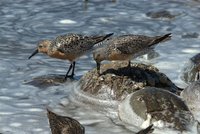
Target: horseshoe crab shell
(157, 106)
(117, 80)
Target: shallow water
(24, 22)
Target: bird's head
(99, 55)
(41, 48)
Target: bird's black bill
(108, 35)
(34, 53)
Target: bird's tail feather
(101, 41)
(159, 39)
(101, 38)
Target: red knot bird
(63, 124)
(69, 47)
(126, 47)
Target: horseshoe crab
(191, 95)
(191, 69)
(157, 106)
(141, 96)
(121, 80)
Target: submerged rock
(47, 81)
(157, 106)
(117, 80)
(160, 14)
(190, 35)
(64, 125)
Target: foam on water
(67, 21)
(99, 102)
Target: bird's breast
(118, 56)
(60, 55)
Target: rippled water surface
(24, 22)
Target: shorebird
(126, 47)
(63, 124)
(69, 47)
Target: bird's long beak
(34, 53)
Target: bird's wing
(68, 43)
(131, 44)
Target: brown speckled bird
(126, 47)
(64, 125)
(69, 47)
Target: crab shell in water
(191, 96)
(157, 106)
(191, 70)
(118, 80)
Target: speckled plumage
(69, 47)
(127, 47)
(64, 125)
(74, 44)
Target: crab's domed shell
(117, 80)
(159, 104)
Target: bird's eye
(40, 46)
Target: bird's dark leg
(72, 74)
(129, 64)
(198, 75)
(98, 67)
(70, 67)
